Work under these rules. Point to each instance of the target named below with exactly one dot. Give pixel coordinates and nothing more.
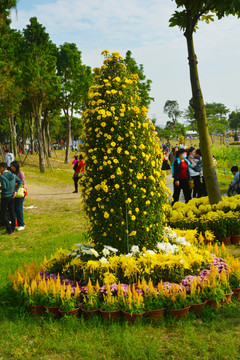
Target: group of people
(12, 179)
(78, 167)
(187, 173)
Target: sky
(142, 26)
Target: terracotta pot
(69, 313)
(131, 319)
(156, 314)
(110, 315)
(213, 304)
(37, 310)
(235, 239)
(88, 314)
(225, 240)
(180, 313)
(53, 310)
(228, 298)
(197, 308)
(236, 292)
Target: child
(234, 187)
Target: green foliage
(123, 188)
(144, 85)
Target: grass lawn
(54, 219)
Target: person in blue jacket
(9, 185)
(181, 176)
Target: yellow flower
(117, 186)
(106, 215)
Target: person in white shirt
(9, 157)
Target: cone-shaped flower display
(123, 186)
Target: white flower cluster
(167, 248)
(172, 245)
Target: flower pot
(37, 310)
(53, 310)
(228, 298)
(236, 293)
(197, 308)
(110, 315)
(69, 313)
(225, 240)
(235, 239)
(213, 304)
(156, 314)
(88, 314)
(180, 313)
(131, 319)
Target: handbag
(20, 193)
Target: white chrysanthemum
(94, 252)
(151, 252)
(103, 260)
(135, 249)
(106, 252)
(128, 255)
(110, 248)
(181, 240)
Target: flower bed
(174, 257)
(36, 286)
(222, 218)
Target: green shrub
(123, 187)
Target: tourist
(234, 187)
(181, 176)
(172, 155)
(195, 172)
(9, 157)
(10, 184)
(75, 160)
(78, 172)
(18, 201)
(200, 169)
(165, 164)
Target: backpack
(178, 161)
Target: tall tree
(40, 78)
(234, 120)
(76, 79)
(144, 85)
(187, 20)
(9, 90)
(171, 108)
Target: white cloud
(142, 27)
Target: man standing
(9, 157)
(7, 182)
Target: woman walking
(18, 202)
(181, 176)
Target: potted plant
(235, 230)
(196, 298)
(234, 281)
(133, 307)
(110, 307)
(178, 302)
(53, 291)
(70, 303)
(91, 302)
(154, 300)
(212, 289)
(224, 282)
(34, 298)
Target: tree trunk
(69, 123)
(38, 113)
(49, 142)
(31, 127)
(13, 144)
(198, 106)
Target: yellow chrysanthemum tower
(123, 187)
